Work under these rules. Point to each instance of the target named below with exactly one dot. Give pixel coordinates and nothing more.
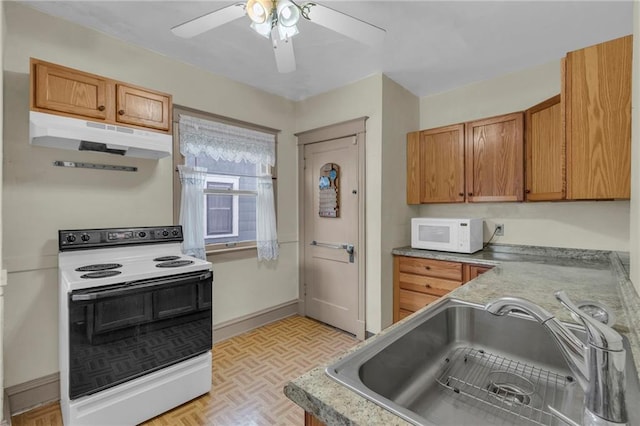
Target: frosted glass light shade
(259, 10)
(288, 13)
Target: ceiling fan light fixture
(259, 10)
(286, 33)
(288, 13)
(264, 29)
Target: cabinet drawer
(431, 268)
(429, 285)
(413, 301)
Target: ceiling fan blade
(348, 25)
(209, 21)
(283, 49)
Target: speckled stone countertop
(534, 273)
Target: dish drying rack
(505, 386)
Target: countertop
(534, 273)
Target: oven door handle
(136, 286)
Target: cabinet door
(143, 107)
(442, 165)
(495, 163)
(472, 271)
(598, 119)
(67, 91)
(413, 168)
(545, 147)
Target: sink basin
(456, 364)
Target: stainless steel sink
(456, 364)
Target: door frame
(351, 128)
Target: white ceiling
(430, 46)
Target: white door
(331, 223)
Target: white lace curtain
(226, 142)
(193, 181)
(231, 143)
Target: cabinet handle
(427, 267)
(469, 194)
(461, 194)
(101, 108)
(527, 191)
(427, 285)
(121, 112)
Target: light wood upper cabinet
(597, 85)
(70, 91)
(435, 159)
(545, 151)
(494, 159)
(65, 91)
(442, 165)
(142, 107)
(484, 156)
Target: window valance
(225, 142)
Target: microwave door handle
(134, 287)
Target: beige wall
(635, 152)
(392, 112)
(593, 225)
(400, 115)
(363, 98)
(39, 199)
(2, 273)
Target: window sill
(232, 253)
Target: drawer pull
(101, 108)
(427, 267)
(427, 285)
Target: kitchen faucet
(599, 365)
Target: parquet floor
(249, 372)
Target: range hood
(56, 131)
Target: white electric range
(135, 324)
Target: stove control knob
(85, 237)
(175, 232)
(165, 233)
(142, 234)
(71, 238)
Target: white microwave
(455, 235)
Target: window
(221, 216)
(234, 161)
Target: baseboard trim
(236, 326)
(6, 411)
(25, 396)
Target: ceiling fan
(277, 19)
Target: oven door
(123, 331)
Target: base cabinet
(417, 282)
(310, 420)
